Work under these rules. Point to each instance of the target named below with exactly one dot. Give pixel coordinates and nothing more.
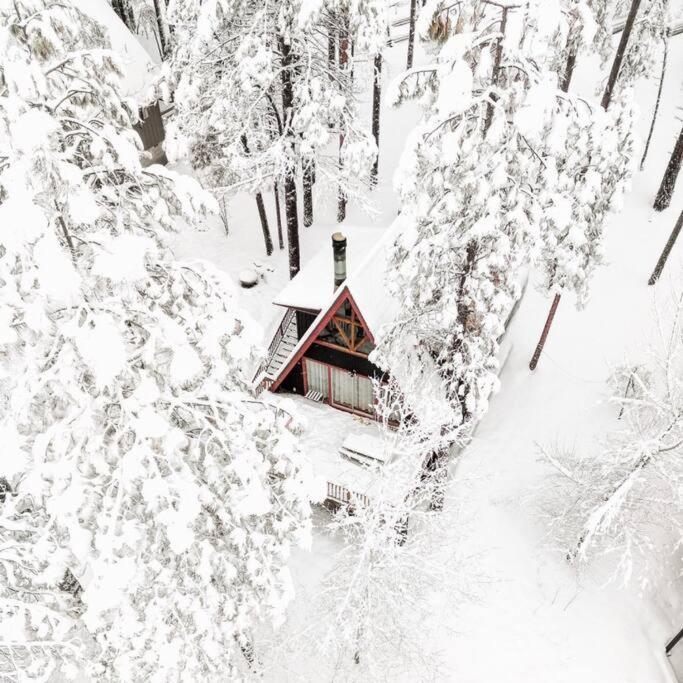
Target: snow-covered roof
(366, 284)
(367, 251)
(138, 65)
(313, 285)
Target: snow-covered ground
(536, 620)
(324, 433)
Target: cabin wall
(347, 361)
(294, 382)
(303, 321)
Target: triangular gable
(319, 324)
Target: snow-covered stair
(281, 348)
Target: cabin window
(351, 390)
(339, 387)
(317, 378)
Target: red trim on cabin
(305, 376)
(344, 293)
(354, 305)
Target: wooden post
(544, 334)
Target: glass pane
(316, 375)
(365, 395)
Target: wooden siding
(347, 361)
(304, 320)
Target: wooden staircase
(281, 347)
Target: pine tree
(376, 105)
(124, 11)
(468, 186)
(133, 449)
(593, 174)
(163, 28)
(243, 66)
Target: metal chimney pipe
(339, 251)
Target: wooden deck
(339, 495)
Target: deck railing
(343, 496)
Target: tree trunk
(659, 97)
(162, 23)
(343, 63)
(261, 209)
(308, 194)
(495, 73)
(264, 224)
(435, 469)
(291, 208)
(276, 193)
(666, 189)
(411, 34)
(292, 216)
(568, 71)
(331, 47)
(619, 56)
(667, 250)
(376, 101)
(566, 80)
(124, 13)
(544, 334)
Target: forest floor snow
(536, 620)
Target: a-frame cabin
(331, 365)
(321, 348)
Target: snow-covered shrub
(623, 501)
